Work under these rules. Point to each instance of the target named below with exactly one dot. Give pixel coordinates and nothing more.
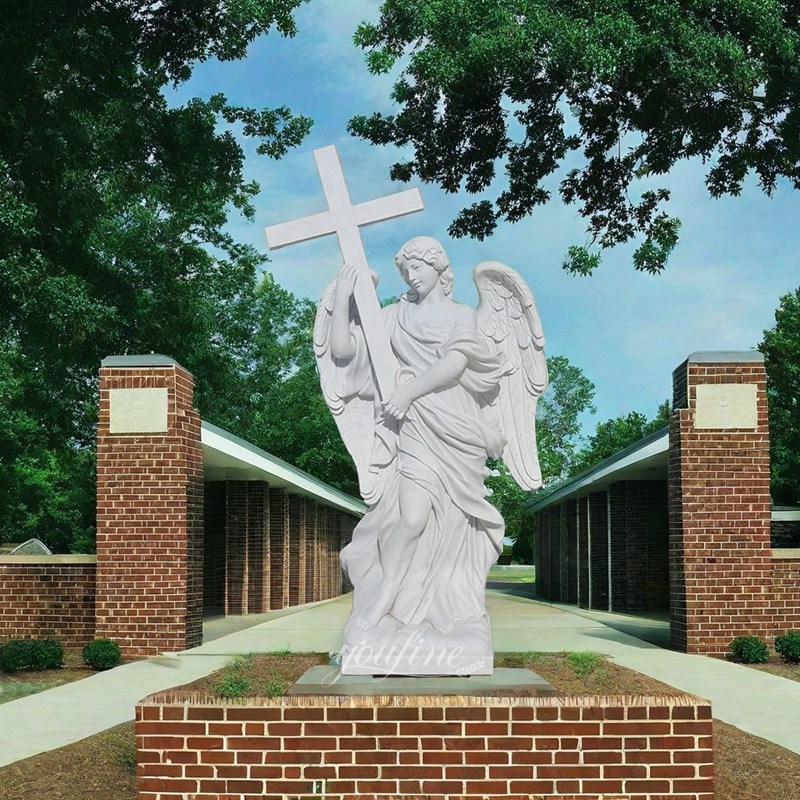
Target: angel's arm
(447, 370)
(342, 343)
(444, 372)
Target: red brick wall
(40, 600)
(582, 524)
(150, 518)
(720, 555)
(214, 539)
(598, 550)
(785, 607)
(475, 747)
(640, 546)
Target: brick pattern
(312, 593)
(269, 549)
(547, 551)
(785, 596)
(582, 524)
(278, 549)
(236, 560)
(720, 555)
(380, 747)
(246, 547)
(598, 548)
(570, 512)
(38, 601)
(639, 546)
(348, 525)
(150, 521)
(257, 547)
(214, 536)
(297, 550)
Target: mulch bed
(102, 767)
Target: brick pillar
(348, 525)
(247, 547)
(214, 541)
(639, 546)
(582, 524)
(257, 547)
(571, 524)
(296, 563)
(149, 507)
(312, 544)
(598, 549)
(278, 549)
(719, 502)
(235, 547)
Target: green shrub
(749, 650)
(788, 647)
(31, 654)
(48, 654)
(101, 654)
(18, 654)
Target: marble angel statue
(467, 385)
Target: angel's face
(421, 277)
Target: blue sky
(626, 330)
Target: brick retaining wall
(44, 596)
(785, 598)
(476, 747)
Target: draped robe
(441, 445)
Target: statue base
(390, 648)
(329, 680)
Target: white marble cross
(344, 219)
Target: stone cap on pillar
(128, 362)
(725, 357)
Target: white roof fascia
(218, 439)
(604, 470)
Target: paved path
(757, 702)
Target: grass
(583, 663)
(14, 685)
(21, 688)
(512, 574)
(249, 675)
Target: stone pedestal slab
(328, 680)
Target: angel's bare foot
(380, 607)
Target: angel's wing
(348, 391)
(507, 315)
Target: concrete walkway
(762, 704)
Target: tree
(568, 396)
(781, 349)
(558, 421)
(287, 413)
(626, 90)
(112, 207)
(616, 434)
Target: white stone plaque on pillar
(723, 406)
(138, 410)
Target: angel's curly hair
(431, 252)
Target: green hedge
(31, 654)
(102, 654)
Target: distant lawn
(513, 574)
